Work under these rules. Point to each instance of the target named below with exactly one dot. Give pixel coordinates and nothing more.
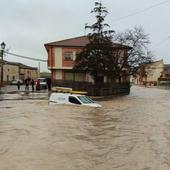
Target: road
(128, 133)
(13, 89)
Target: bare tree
(138, 54)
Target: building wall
(166, 72)
(149, 73)
(31, 73)
(58, 75)
(154, 70)
(69, 63)
(69, 75)
(51, 57)
(61, 68)
(10, 72)
(58, 58)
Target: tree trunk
(120, 80)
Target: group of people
(27, 82)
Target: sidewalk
(14, 89)
(12, 93)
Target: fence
(95, 90)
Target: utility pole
(2, 56)
(39, 67)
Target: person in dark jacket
(27, 84)
(32, 84)
(49, 84)
(18, 84)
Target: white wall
(58, 58)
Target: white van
(72, 97)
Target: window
(68, 76)
(85, 99)
(73, 100)
(68, 56)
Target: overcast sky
(25, 25)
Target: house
(10, 71)
(27, 71)
(62, 55)
(15, 70)
(149, 73)
(166, 71)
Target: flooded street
(128, 133)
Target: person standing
(32, 84)
(49, 84)
(27, 84)
(18, 84)
(38, 84)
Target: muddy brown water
(128, 133)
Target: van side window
(73, 100)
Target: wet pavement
(12, 93)
(13, 88)
(128, 133)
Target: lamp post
(2, 54)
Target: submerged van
(67, 96)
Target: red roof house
(62, 54)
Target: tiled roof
(27, 67)
(18, 64)
(74, 42)
(77, 42)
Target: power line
(141, 11)
(163, 41)
(160, 43)
(29, 58)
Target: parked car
(68, 96)
(15, 82)
(41, 84)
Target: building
(14, 71)
(150, 73)
(45, 75)
(62, 55)
(166, 71)
(27, 71)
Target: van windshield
(85, 99)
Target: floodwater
(128, 133)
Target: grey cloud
(27, 24)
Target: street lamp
(2, 55)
